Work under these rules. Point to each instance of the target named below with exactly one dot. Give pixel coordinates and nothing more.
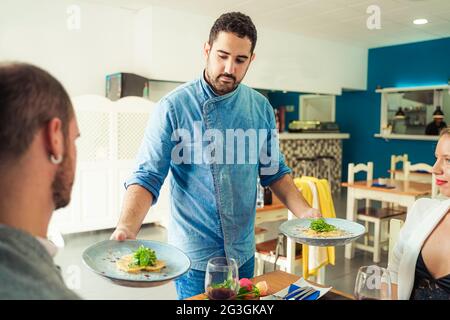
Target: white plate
(101, 258)
(293, 229)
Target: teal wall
(358, 113)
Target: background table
(404, 193)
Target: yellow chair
(315, 259)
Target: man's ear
(55, 138)
(253, 57)
(206, 49)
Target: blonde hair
(444, 132)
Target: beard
(62, 183)
(219, 86)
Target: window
(419, 112)
(317, 107)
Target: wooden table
(404, 193)
(278, 280)
(272, 212)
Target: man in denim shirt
(217, 137)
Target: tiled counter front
(311, 148)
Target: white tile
(264, 8)
(385, 5)
(340, 15)
(440, 29)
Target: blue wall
(358, 113)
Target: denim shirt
(213, 202)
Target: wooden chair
(396, 159)
(289, 257)
(394, 229)
(378, 216)
(424, 168)
(352, 170)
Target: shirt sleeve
(271, 161)
(153, 159)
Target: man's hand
(311, 213)
(121, 234)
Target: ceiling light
(420, 21)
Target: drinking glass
(222, 279)
(373, 283)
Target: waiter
(217, 137)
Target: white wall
(283, 61)
(159, 89)
(36, 32)
(162, 44)
(177, 38)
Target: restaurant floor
(90, 286)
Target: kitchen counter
(313, 136)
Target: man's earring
(56, 160)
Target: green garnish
(319, 225)
(225, 284)
(144, 257)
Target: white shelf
(313, 136)
(406, 137)
(399, 89)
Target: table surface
(271, 207)
(401, 187)
(278, 280)
(411, 172)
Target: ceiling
(337, 20)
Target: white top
(424, 216)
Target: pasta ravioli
(326, 234)
(319, 228)
(143, 259)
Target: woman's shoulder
(423, 206)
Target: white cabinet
(111, 133)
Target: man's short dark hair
(237, 23)
(29, 98)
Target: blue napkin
(314, 296)
(381, 185)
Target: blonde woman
(420, 268)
